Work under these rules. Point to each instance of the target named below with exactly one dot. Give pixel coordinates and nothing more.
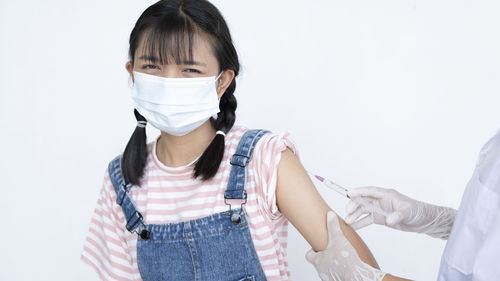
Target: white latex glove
(340, 261)
(404, 213)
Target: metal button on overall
(236, 218)
(144, 234)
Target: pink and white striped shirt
(170, 194)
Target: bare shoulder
(299, 201)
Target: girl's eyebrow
(149, 58)
(193, 62)
(186, 62)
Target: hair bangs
(170, 40)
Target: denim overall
(217, 247)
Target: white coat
(473, 248)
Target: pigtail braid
(210, 160)
(135, 154)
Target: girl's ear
(130, 68)
(224, 81)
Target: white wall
(391, 93)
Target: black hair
(168, 27)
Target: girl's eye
(149, 66)
(192, 70)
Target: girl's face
(204, 64)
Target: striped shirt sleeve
(268, 152)
(105, 247)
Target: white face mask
(176, 106)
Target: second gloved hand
(340, 261)
(404, 213)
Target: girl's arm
(299, 201)
(389, 277)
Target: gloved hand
(404, 213)
(340, 261)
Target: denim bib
(217, 247)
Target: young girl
(205, 200)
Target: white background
(390, 93)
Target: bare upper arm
(299, 201)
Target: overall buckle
(239, 160)
(236, 217)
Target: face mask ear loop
(218, 76)
(130, 82)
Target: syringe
(345, 192)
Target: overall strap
(133, 217)
(236, 185)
